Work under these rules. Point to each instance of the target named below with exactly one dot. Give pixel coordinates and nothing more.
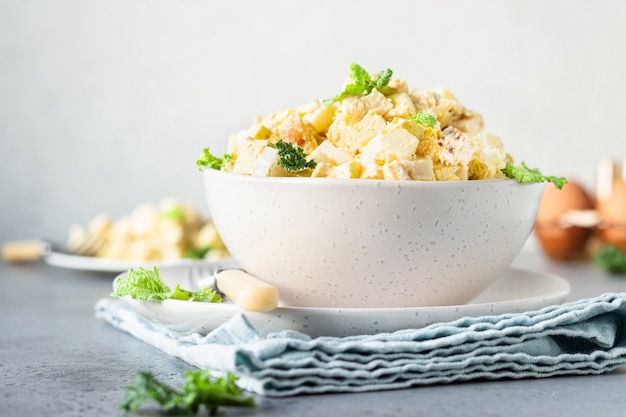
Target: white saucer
(518, 290)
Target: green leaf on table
(611, 259)
(200, 390)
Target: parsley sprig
(292, 158)
(362, 83)
(523, 174)
(208, 160)
(199, 390)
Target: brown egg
(557, 240)
(612, 213)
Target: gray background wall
(107, 104)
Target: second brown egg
(612, 213)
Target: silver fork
(201, 272)
(197, 271)
(204, 275)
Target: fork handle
(22, 250)
(248, 292)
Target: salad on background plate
(166, 233)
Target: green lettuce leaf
(207, 295)
(147, 285)
(208, 160)
(523, 174)
(142, 284)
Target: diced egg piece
(397, 141)
(329, 153)
(259, 131)
(366, 129)
(394, 170)
(377, 102)
(489, 151)
(266, 163)
(248, 150)
(416, 169)
(349, 169)
(420, 169)
(322, 169)
(351, 110)
(403, 106)
(370, 169)
(450, 172)
(319, 116)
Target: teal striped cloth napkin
(577, 338)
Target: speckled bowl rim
(358, 181)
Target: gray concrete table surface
(56, 359)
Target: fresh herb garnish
(424, 119)
(362, 83)
(292, 158)
(197, 253)
(176, 212)
(208, 160)
(145, 284)
(199, 390)
(206, 295)
(523, 174)
(611, 259)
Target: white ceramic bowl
(369, 243)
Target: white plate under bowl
(518, 290)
